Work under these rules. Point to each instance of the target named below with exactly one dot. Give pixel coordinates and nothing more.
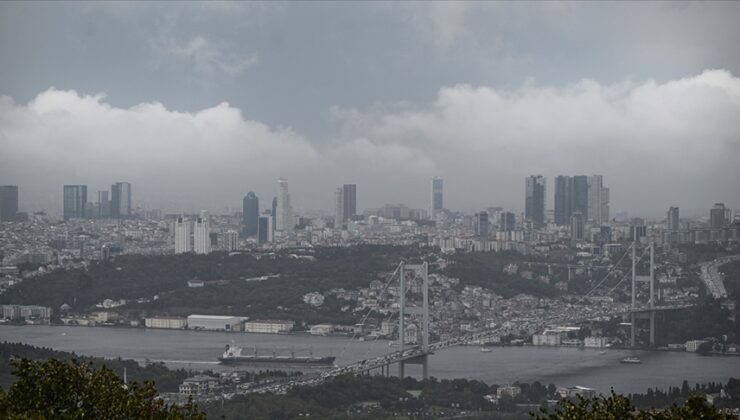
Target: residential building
(672, 219)
(481, 224)
(508, 221)
(719, 216)
(183, 233)
(339, 208)
(231, 240)
(563, 199)
(201, 236)
(598, 200)
(103, 205)
(577, 226)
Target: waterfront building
(215, 322)
(268, 326)
(250, 214)
(166, 322)
(75, 199)
(8, 203)
(534, 200)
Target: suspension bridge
(419, 354)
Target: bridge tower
(417, 270)
(651, 300)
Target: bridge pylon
(419, 270)
(651, 300)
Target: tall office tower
(183, 232)
(231, 240)
(201, 236)
(265, 229)
(284, 217)
(274, 213)
(250, 213)
(718, 216)
(103, 205)
(598, 200)
(579, 196)
(672, 219)
(8, 203)
(563, 199)
(120, 200)
(481, 224)
(75, 198)
(349, 201)
(436, 202)
(534, 200)
(508, 221)
(339, 208)
(577, 226)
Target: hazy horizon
(197, 104)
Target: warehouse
(215, 322)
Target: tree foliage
(56, 389)
(618, 407)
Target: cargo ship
(233, 355)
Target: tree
(619, 407)
(56, 389)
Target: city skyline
(473, 120)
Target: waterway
(562, 366)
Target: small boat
(485, 350)
(602, 352)
(631, 360)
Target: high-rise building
(598, 200)
(103, 205)
(201, 236)
(579, 196)
(719, 216)
(75, 198)
(436, 203)
(8, 203)
(250, 213)
(349, 201)
(231, 240)
(481, 224)
(563, 199)
(183, 233)
(120, 200)
(577, 226)
(284, 217)
(508, 221)
(534, 200)
(672, 219)
(273, 214)
(339, 208)
(265, 230)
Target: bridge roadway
(364, 366)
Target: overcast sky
(196, 104)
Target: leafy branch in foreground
(56, 389)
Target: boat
(602, 352)
(233, 355)
(631, 360)
(485, 350)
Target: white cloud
(657, 144)
(207, 58)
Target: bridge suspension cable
(608, 273)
